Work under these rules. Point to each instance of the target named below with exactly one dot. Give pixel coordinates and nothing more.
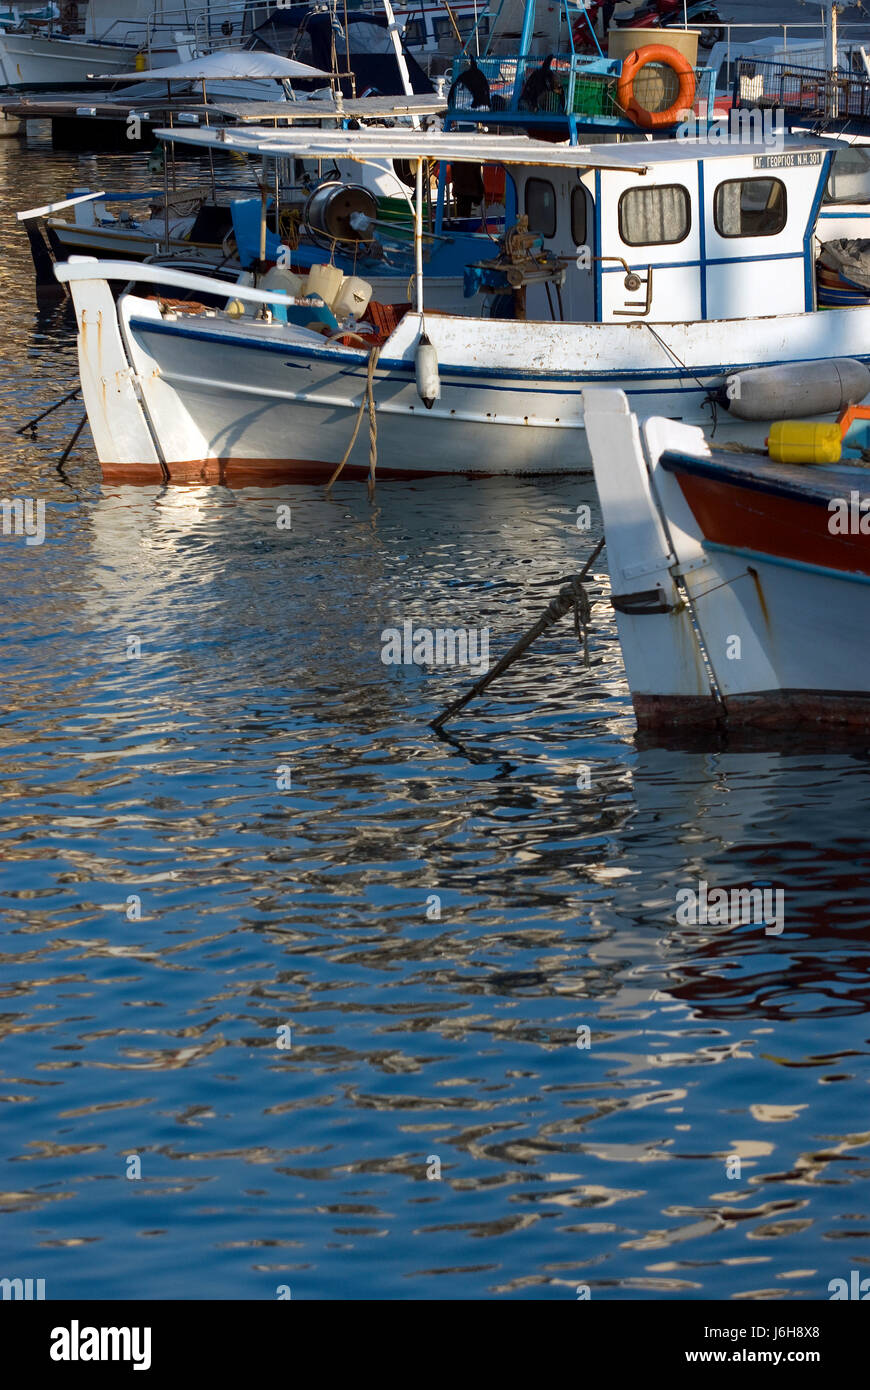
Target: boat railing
(135, 272)
(803, 94)
(228, 25)
(217, 26)
(852, 36)
(584, 91)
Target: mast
(400, 57)
(832, 103)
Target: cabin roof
(638, 156)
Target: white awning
(394, 143)
(227, 62)
(635, 156)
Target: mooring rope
(572, 595)
(582, 615)
(373, 420)
(368, 399)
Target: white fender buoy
(428, 380)
(797, 389)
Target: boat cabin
(708, 232)
(675, 231)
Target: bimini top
(636, 156)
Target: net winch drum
(331, 207)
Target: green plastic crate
(595, 96)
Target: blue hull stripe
(848, 576)
(349, 364)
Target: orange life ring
(632, 65)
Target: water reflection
(414, 1035)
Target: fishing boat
(56, 57)
(738, 581)
(359, 217)
(665, 269)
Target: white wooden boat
(665, 270)
(738, 583)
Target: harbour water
(326, 975)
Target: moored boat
(739, 583)
(662, 268)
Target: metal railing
(851, 37)
(577, 90)
(809, 94)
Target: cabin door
(649, 245)
(562, 212)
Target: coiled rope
(368, 400)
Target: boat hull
(279, 401)
(31, 62)
(740, 584)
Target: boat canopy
(359, 40)
(227, 63)
(636, 156)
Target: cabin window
(850, 176)
(578, 216)
(750, 207)
(541, 207)
(468, 25)
(655, 216)
(415, 33)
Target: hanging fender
(428, 379)
(633, 64)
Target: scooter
(654, 14)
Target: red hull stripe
(777, 710)
(760, 507)
(257, 472)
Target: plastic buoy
(803, 441)
(235, 309)
(428, 379)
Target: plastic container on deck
(324, 281)
(804, 441)
(621, 42)
(352, 298)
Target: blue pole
(525, 45)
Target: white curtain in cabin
(729, 209)
(654, 216)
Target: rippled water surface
(167, 910)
